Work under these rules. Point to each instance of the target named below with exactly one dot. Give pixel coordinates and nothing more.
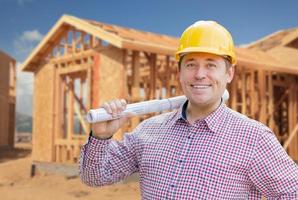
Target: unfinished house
(7, 100)
(81, 63)
(282, 46)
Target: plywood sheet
(43, 114)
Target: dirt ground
(16, 183)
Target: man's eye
(190, 65)
(211, 65)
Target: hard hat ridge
(207, 37)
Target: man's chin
(199, 101)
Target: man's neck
(195, 112)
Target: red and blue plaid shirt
(224, 156)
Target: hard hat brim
(219, 52)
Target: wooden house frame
(7, 100)
(283, 47)
(81, 63)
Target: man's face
(204, 77)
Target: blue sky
(246, 20)
(23, 23)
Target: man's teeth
(200, 86)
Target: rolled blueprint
(141, 108)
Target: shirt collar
(214, 120)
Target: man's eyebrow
(210, 59)
(189, 59)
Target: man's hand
(104, 130)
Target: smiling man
(204, 150)
(203, 78)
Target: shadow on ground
(19, 151)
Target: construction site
(81, 63)
(78, 62)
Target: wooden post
(135, 90)
(82, 41)
(291, 137)
(262, 95)
(234, 87)
(271, 101)
(292, 140)
(253, 94)
(74, 41)
(135, 75)
(153, 76)
(55, 111)
(66, 44)
(70, 115)
(243, 91)
(168, 76)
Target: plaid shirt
(224, 156)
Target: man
(204, 150)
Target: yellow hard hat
(208, 37)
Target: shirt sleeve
(272, 171)
(104, 162)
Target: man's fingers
(107, 107)
(123, 103)
(115, 107)
(119, 106)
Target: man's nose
(200, 72)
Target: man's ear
(230, 73)
(178, 74)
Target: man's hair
(227, 60)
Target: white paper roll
(141, 108)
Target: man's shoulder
(163, 118)
(240, 121)
(154, 126)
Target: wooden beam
(243, 91)
(82, 41)
(292, 118)
(81, 118)
(93, 30)
(89, 87)
(268, 67)
(135, 75)
(282, 98)
(291, 137)
(262, 95)
(168, 76)
(72, 69)
(74, 56)
(73, 41)
(77, 99)
(70, 110)
(91, 41)
(271, 102)
(234, 88)
(56, 125)
(149, 47)
(153, 76)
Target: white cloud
(31, 36)
(25, 43)
(23, 2)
